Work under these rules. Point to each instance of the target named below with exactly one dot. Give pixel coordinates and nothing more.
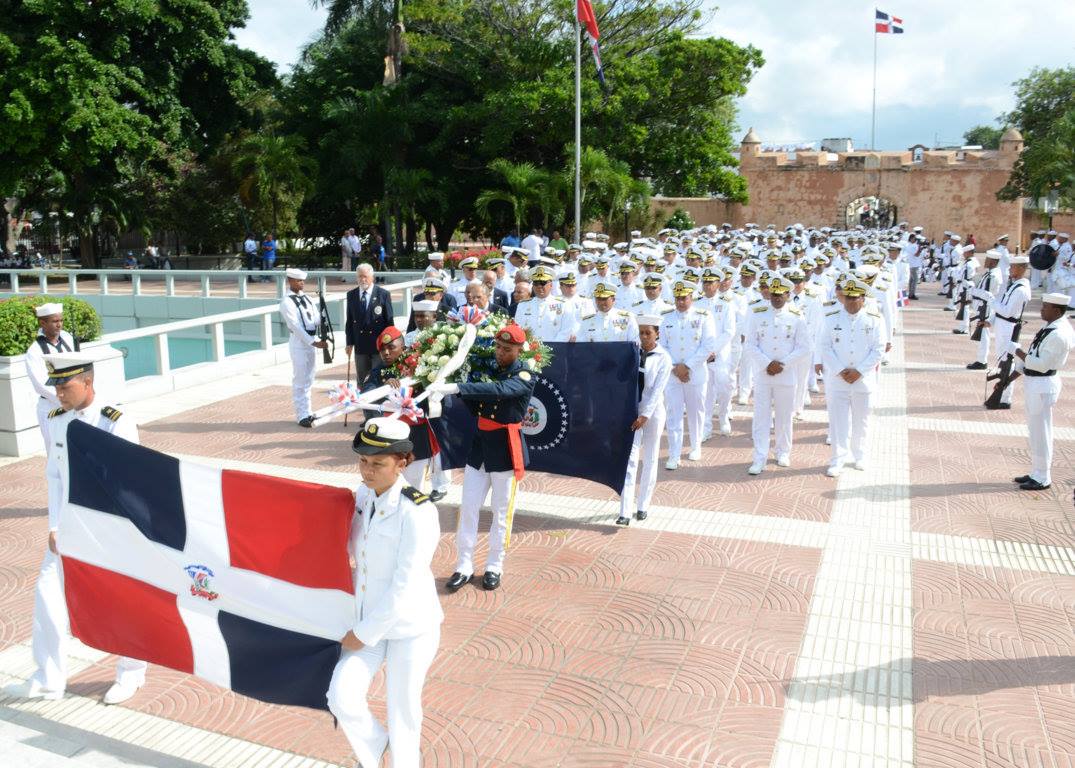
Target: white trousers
(477, 483)
(686, 397)
(770, 398)
(406, 662)
(983, 344)
(44, 407)
(746, 378)
(645, 448)
(442, 478)
(849, 416)
(718, 393)
(1039, 422)
(1004, 332)
(303, 367)
(51, 633)
(802, 392)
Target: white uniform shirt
(657, 306)
(35, 364)
(614, 325)
(656, 369)
(689, 337)
(986, 291)
(392, 542)
(56, 469)
(777, 335)
(580, 305)
(1049, 353)
(550, 319)
(851, 341)
(725, 312)
(303, 319)
(627, 296)
(1009, 307)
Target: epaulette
(414, 494)
(829, 303)
(586, 317)
(834, 312)
(639, 303)
(760, 309)
(725, 297)
(623, 313)
(557, 298)
(702, 311)
(666, 311)
(111, 413)
(795, 310)
(756, 301)
(873, 313)
(55, 412)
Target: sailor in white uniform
(303, 321)
(394, 533)
(655, 367)
(607, 323)
(549, 317)
(689, 336)
(51, 339)
(72, 376)
(1007, 320)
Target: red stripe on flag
(880, 27)
(292, 531)
(118, 614)
(587, 18)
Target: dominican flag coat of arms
(241, 579)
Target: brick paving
(647, 647)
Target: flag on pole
(902, 300)
(588, 19)
(883, 23)
(241, 579)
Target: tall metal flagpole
(873, 117)
(578, 129)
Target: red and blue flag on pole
(588, 19)
(241, 579)
(885, 24)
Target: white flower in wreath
(531, 365)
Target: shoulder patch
(702, 311)
(666, 311)
(829, 303)
(525, 375)
(760, 309)
(795, 310)
(587, 317)
(725, 297)
(55, 412)
(873, 313)
(111, 413)
(834, 312)
(414, 494)
(639, 303)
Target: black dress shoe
(999, 407)
(307, 422)
(959, 331)
(914, 298)
(976, 366)
(641, 514)
(949, 309)
(1021, 479)
(456, 581)
(436, 496)
(1032, 485)
(621, 520)
(490, 580)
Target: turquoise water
(141, 356)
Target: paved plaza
(920, 612)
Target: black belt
(1029, 372)
(1009, 319)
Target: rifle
(326, 332)
(962, 304)
(1004, 375)
(949, 282)
(979, 322)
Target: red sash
(515, 442)
(434, 446)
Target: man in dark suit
(369, 311)
(433, 289)
(478, 296)
(499, 298)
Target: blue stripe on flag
(880, 16)
(110, 474)
(277, 665)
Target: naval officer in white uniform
(303, 320)
(51, 339)
(394, 534)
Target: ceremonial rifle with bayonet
(1005, 374)
(326, 332)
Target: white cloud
(959, 56)
(279, 29)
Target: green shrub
(18, 323)
(680, 220)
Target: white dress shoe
(31, 689)
(755, 469)
(783, 461)
(860, 465)
(672, 464)
(726, 429)
(742, 401)
(707, 434)
(833, 471)
(119, 693)
(695, 455)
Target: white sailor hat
(1051, 232)
(426, 305)
(968, 248)
(1002, 237)
(47, 310)
(1056, 298)
(436, 256)
(916, 229)
(294, 273)
(1015, 261)
(991, 254)
(1064, 235)
(955, 237)
(654, 320)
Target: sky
(952, 69)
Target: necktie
(1038, 338)
(642, 371)
(365, 299)
(302, 300)
(61, 346)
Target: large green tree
(1045, 114)
(489, 81)
(985, 136)
(108, 99)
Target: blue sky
(950, 70)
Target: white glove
(444, 389)
(1012, 346)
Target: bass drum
(1042, 257)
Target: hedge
(18, 323)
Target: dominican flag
(241, 579)
(902, 300)
(886, 24)
(587, 18)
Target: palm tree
(272, 169)
(521, 190)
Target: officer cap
(681, 288)
(541, 274)
(383, 435)
(470, 262)
(433, 284)
(569, 278)
(780, 285)
(63, 367)
(604, 290)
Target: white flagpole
(578, 129)
(873, 117)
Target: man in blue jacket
(497, 458)
(369, 311)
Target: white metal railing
(206, 278)
(215, 324)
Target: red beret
(512, 334)
(387, 336)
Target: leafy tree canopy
(985, 136)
